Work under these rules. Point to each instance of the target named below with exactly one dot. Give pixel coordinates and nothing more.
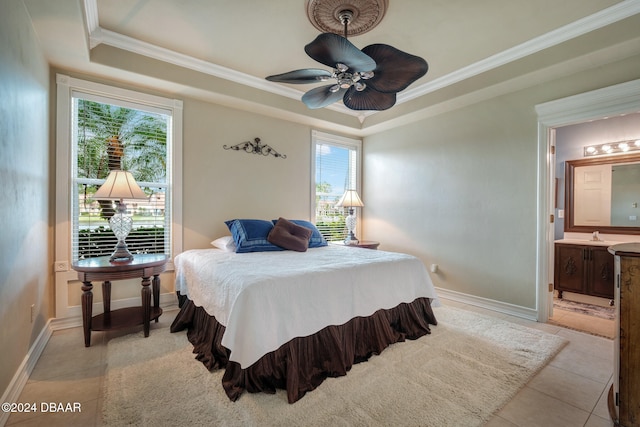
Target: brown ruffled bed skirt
(303, 363)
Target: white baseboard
(489, 304)
(12, 393)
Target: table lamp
(350, 199)
(120, 185)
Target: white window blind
(336, 166)
(110, 134)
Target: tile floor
(570, 391)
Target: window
(335, 168)
(109, 136)
(108, 129)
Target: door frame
(620, 99)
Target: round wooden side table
(144, 266)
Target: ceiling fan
(366, 79)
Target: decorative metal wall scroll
(255, 147)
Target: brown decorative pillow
(289, 235)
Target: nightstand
(368, 244)
(142, 266)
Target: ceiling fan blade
(331, 49)
(396, 69)
(368, 99)
(308, 75)
(321, 97)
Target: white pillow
(225, 243)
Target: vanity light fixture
(612, 148)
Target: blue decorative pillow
(316, 240)
(250, 235)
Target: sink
(587, 242)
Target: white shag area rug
(468, 368)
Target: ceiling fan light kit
(366, 79)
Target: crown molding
(610, 15)
(618, 12)
(91, 16)
(98, 35)
(623, 98)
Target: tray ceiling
(466, 43)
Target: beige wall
(224, 184)
(25, 240)
(460, 189)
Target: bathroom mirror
(603, 194)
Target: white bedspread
(266, 299)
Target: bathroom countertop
(588, 242)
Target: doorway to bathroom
(597, 205)
(615, 102)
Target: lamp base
(351, 239)
(350, 222)
(121, 225)
(121, 254)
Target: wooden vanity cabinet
(584, 269)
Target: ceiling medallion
(325, 15)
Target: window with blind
(112, 134)
(335, 168)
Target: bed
(288, 319)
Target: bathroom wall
(570, 141)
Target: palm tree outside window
(110, 136)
